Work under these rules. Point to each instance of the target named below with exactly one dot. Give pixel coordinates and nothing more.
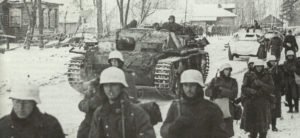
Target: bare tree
(145, 8)
(99, 18)
(288, 10)
(123, 13)
(32, 21)
(41, 23)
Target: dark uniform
(276, 43)
(278, 79)
(224, 87)
(107, 121)
(291, 88)
(94, 98)
(256, 117)
(292, 40)
(88, 105)
(37, 125)
(173, 27)
(199, 118)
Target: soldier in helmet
(172, 26)
(291, 88)
(257, 88)
(118, 117)
(25, 119)
(193, 116)
(277, 75)
(94, 98)
(222, 90)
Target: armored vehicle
(154, 58)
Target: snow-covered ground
(48, 68)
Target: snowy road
(49, 66)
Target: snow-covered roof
(210, 10)
(228, 6)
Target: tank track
(163, 77)
(166, 78)
(205, 66)
(74, 77)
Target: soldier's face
(171, 20)
(227, 72)
(23, 108)
(250, 65)
(290, 57)
(112, 90)
(114, 62)
(259, 68)
(190, 89)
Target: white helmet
(116, 54)
(271, 58)
(113, 75)
(290, 53)
(251, 60)
(192, 76)
(225, 66)
(25, 91)
(259, 62)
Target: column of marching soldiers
(111, 112)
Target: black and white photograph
(149, 68)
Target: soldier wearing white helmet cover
(193, 116)
(291, 88)
(25, 119)
(118, 117)
(278, 79)
(93, 98)
(257, 90)
(222, 90)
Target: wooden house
(14, 18)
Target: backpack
(153, 110)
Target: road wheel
(230, 56)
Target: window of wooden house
(53, 18)
(26, 19)
(14, 17)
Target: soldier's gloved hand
(180, 123)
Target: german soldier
(25, 119)
(193, 116)
(118, 117)
(257, 88)
(223, 90)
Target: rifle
(179, 97)
(123, 119)
(215, 93)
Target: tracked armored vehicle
(154, 58)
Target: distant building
(15, 20)
(197, 14)
(271, 21)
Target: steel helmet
(116, 54)
(271, 58)
(113, 75)
(259, 62)
(290, 53)
(25, 91)
(251, 60)
(225, 66)
(192, 76)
